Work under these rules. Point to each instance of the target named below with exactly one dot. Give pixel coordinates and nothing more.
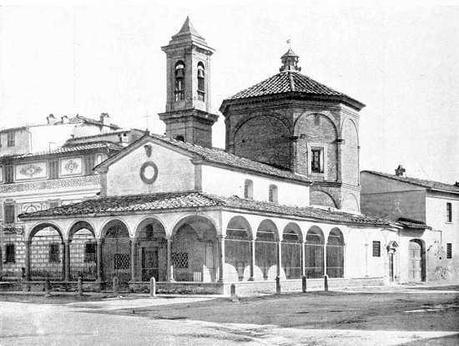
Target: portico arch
(291, 251)
(194, 250)
(116, 255)
(82, 251)
(238, 248)
(314, 251)
(45, 253)
(150, 253)
(335, 254)
(266, 251)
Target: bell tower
(187, 115)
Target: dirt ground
(417, 310)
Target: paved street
(404, 316)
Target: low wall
(243, 288)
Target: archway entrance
(82, 246)
(116, 253)
(46, 253)
(194, 250)
(416, 266)
(238, 249)
(314, 251)
(266, 249)
(151, 252)
(291, 251)
(335, 254)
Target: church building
(282, 200)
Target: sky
(88, 57)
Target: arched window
(201, 86)
(273, 193)
(179, 81)
(248, 189)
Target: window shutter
(54, 169)
(89, 164)
(9, 174)
(9, 213)
(376, 249)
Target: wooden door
(415, 261)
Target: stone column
(279, 257)
(133, 258)
(303, 259)
(252, 259)
(66, 260)
(99, 260)
(325, 258)
(169, 270)
(28, 243)
(221, 262)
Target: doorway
(150, 264)
(416, 266)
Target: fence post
(116, 283)
(80, 286)
(152, 287)
(234, 297)
(278, 285)
(326, 283)
(47, 287)
(304, 285)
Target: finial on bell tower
(289, 60)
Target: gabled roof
(193, 199)
(428, 184)
(66, 149)
(212, 155)
(292, 83)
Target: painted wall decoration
(31, 171)
(71, 166)
(31, 207)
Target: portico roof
(160, 202)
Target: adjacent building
(429, 213)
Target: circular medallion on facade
(148, 172)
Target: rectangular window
(449, 250)
(9, 213)
(54, 251)
(9, 174)
(54, 169)
(180, 260)
(90, 252)
(376, 249)
(248, 189)
(11, 138)
(449, 212)
(317, 161)
(10, 253)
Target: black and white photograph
(237, 172)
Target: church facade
(281, 201)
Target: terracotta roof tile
(292, 82)
(193, 199)
(220, 156)
(429, 184)
(66, 149)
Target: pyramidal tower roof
(187, 34)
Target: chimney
(400, 171)
(64, 119)
(51, 119)
(104, 119)
(456, 184)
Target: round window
(148, 172)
